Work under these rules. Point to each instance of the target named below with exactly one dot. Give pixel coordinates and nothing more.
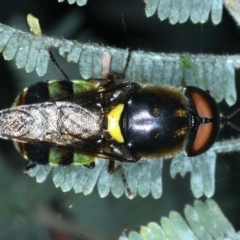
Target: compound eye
(206, 133)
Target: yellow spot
(180, 113)
(156, 111)
(113, 123)
(181, 132)
(54, 156)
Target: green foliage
(204, 221)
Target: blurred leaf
(178, 11)
(204, 221)
(79, 2)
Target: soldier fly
(62, 122)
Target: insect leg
(112, 169)
(108, 78)
(90, 165)
(122, 75)
(112, 76)
(30, 166)
(57, 65)
(109, 81)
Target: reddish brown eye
(206, 133)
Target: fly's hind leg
(112, 169)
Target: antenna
(224, 120)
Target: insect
(62, 122)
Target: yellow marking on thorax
(113, 123)
(180, 113)
(181, 132)
(156, 111)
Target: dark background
(29, 210)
